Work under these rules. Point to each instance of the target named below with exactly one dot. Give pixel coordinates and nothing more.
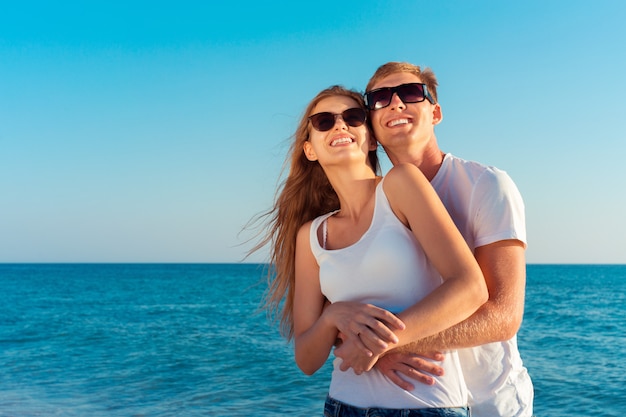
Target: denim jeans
(334, 408)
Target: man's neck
(428, 160)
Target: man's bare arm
(504, 267)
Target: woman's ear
(373, 143)
(308, 151)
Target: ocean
(189, 340)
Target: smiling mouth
(397, 122)
(341, 141)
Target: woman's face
(344, 141)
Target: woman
(372, 248)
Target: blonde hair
(304, 195)
(427, 76)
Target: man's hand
(412, 365)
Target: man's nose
(396, 101)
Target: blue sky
(153, 131)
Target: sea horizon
(167, 339)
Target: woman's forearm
(313, 346)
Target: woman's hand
(370, 328)
(366, 331)
(354, 356)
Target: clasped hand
(365, 332)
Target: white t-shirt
(487, 207)
(388, 268)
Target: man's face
(400, 126)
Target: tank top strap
(324, 232)
(321, 221)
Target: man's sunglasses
(325, 121)
(408, 93)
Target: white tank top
(388, 268)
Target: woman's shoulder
(305, 228)
(303, 237)
(405, 168)
(404, 173)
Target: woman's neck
(355, 188)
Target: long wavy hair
(304, 195)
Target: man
(488, 210)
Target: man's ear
(308, 151)
(437, 114)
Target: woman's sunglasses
(408, 93)
(325, 121)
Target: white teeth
(340, 141)
(397, 122)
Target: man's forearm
(504, 267)
(488, 324)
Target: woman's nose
(340, 123)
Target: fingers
(395, 378)
(358, 341)
(352, 357)
(358, 364)
(380, 331)
(373, 342)
(417, 375)
(354, 344)
(378, 326)
(417, 366)
(373, 326)
(385, 319)
(436, 356)
(392, 320)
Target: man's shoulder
(474, 171)
(468, 164)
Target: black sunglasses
(408, 93)
(325, 121)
